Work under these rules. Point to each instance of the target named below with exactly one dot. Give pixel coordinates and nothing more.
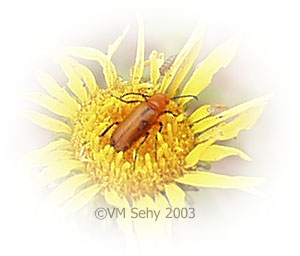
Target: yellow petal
(56, 91)
(112, 197)
(218, 152)
(87, 53)
(110, 73)
(155, 226)
(58, 170)
(223, 116)
(112, 48)
(144, 202)
(199, 114)
(57, 144)
(85, 75)
(37, 155)
(195, 155)
(67, 189)
(156, 61)
(75, 83)
(229, 130)
(244, 121)
(162, 204)
(48, 122)
(48, 158)
(144, 226)
(202, 76)
(175, 195)
(51, 104)
(188, 62)
(125, 223)
(184, 57)
(138, 67)
(213, 180)
(81, 199)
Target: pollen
(149, 164)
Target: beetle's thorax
(159, 102)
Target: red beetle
(140, 120)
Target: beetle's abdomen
(139, 121)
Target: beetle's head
(159, 102)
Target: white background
(227, 223)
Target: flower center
(148, 164)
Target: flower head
(156, 166)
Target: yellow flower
(154, 170)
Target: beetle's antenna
(127, 101)
(185, 96)
(145, 96)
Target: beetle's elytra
(138, 122)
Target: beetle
(140, 120)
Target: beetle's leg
(160, 129)
(127, 101)
(137, 149)
(170, 112)
(108, 128)
(145, 96)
